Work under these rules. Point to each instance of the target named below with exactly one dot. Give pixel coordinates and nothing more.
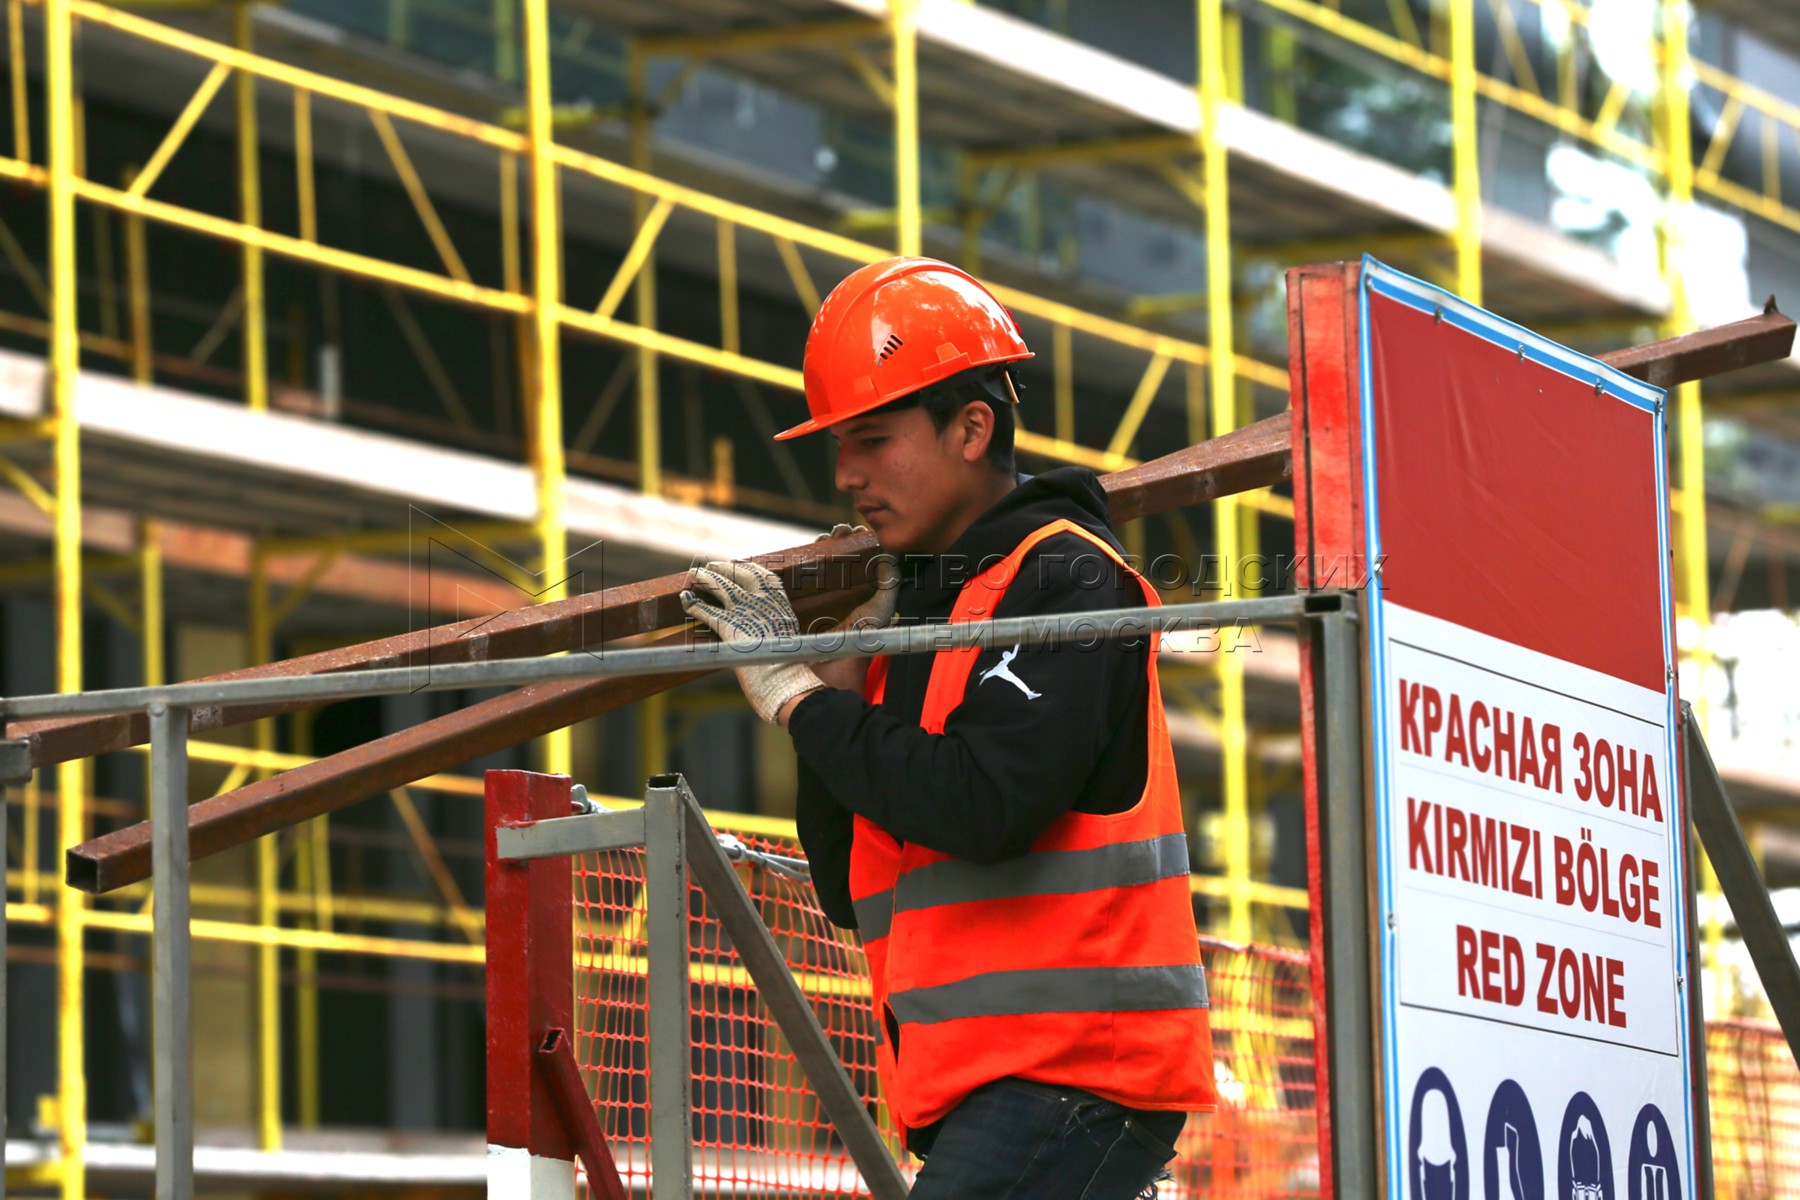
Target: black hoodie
(1007, 763)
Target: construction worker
(1001, 823)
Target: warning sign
(1528, 809)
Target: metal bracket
(562, 836)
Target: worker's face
(913, 484)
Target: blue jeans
(1017, 1140)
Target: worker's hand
(746, 603)
(877, 612)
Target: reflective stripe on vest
(1054, 990)
(874, 915)
(1043, 873)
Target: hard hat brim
(803, 427)
(814, 425)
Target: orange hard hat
(896, 326)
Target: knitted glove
(751, 606)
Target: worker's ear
(974, 429)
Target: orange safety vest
(1077, 964)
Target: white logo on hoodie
(1003, 670)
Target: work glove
(746, 603)
(877, 612)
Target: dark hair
(946, 398)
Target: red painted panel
(1322, 367)
(1513, 501)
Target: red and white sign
(1528, 807)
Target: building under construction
(328, 320)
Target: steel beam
(1766, 338)
(1742, 883)
(122, 857)
(760, 39)
(1251, 457)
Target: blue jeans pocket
(1132, 1164)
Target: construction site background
(328, 319)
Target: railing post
(1344, 896)
(173, 1053)
(788, 1005)
(666, 909)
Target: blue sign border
(1452, 310)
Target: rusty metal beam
(1767, 337)
(825, 579)
(571, 624)
(281, 801)
(1256, 456)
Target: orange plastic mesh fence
(759, 1131)
(1263, 1140)
(1755, 1090)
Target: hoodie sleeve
(1013, 756)
(826, 830)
